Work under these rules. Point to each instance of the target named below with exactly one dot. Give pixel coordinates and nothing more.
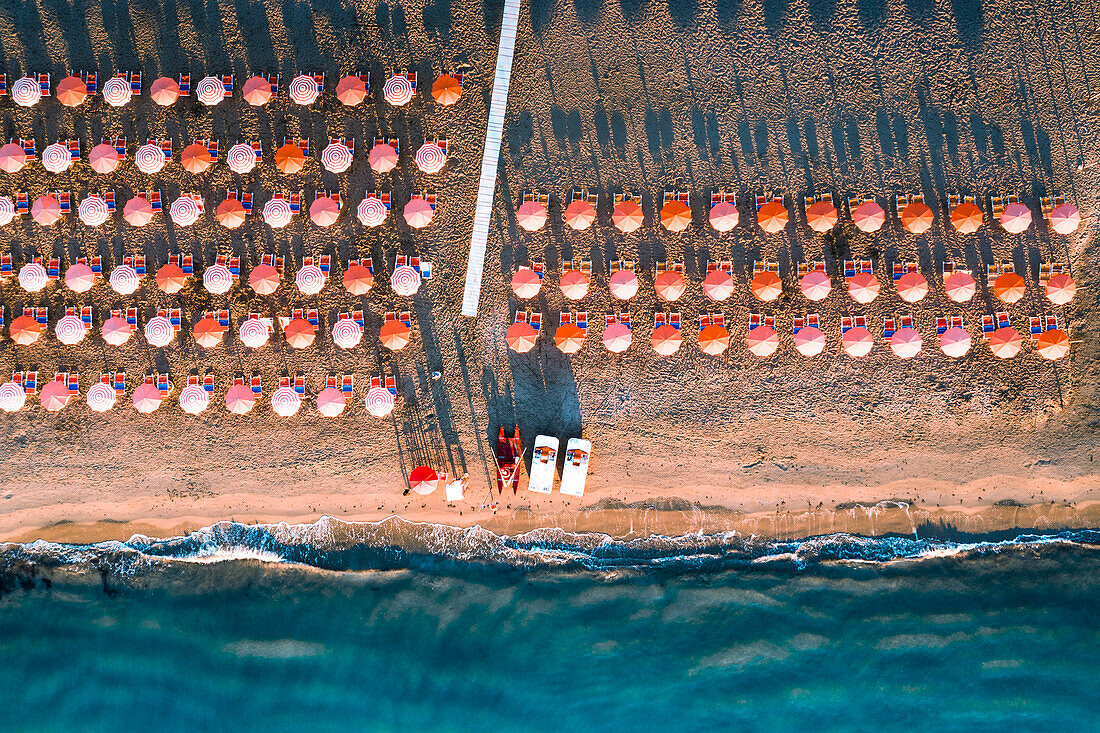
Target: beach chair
(22, 203)
(575, 473)
(1035, 325)
(1050, 322)
(391, 384)
(347, 383)
(544, 461)
(889, 326)
(44, 84)
(255, 383)
(53, 268)
(65, 200)
(6, 268)
(3, 85)
(997, 204)
(162, 382)
(536, 321)
(659, 319)
(988, 324)
(1049, 203)
(941, 325)
(755, 320)
(624, 318)
(74, 149)
(1002, 319)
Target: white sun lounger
(575, 472)
(543, 465)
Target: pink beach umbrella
(101, 397)
(330, 402)
(239, 400)
(815, 285)
(116, 331)
(955, 342)
(669, 285)
(405, 280)
(138, 211)
(531, 215)
(617, 337)
(397, 90)
(579, 215)
(79, 278)
(959, 286)
(623, 284)
(264, 279)
(351, 90)
(285, 402)
(431, 158)
(857, 342)
(574, 284)
(809, 341)
(869, 217)
(1065, 219)
(418, 213)
(724, 216)
(336, 157)
(33, 277)
(324, 211)
(1016, 218)
(863, 287)
(46, 210)
(912, 287)
(762, 341)
(12, 157)
(147, 398)
(382, 158)
(54, 395)
(1060, 289)
(718, 285)
(241, 158)
(12, 397)
(256, 91)
(194, 399)
(70, 330)
(103, 158)
(906, 343)
(526, 283)
(304, 89)
(371, 211)
(149, 158)
(124, 280)
(379, 402)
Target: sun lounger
(543, 465)
(575, 473)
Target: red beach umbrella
(815, 285)
(809, 341)
(617, 337)
(1005, 342)
(231, 213)
(959, 286)
(1060, 289)
(147, 398)
(54, 395)
(264, 279)
(103, 158)
(196, 158)
(821, 216)
(257, 91)
(623, 284)
(25, 330)
(569, 338)
(526, 283)
(531, 215)
(423, 480)
(138, 211)
(239, 399)
(718, 285)
(521, 337)
(1052, 344)
(418, 213)
(446, 89)
(627, 216)
(917, 218)
(724, 216)
(358, 280)
(46, 210)
(869, 217)
(966, 218)
(666, 340)
(762, 341)
(857, 342)
(906, 343)
(675, 216)
(766, 286)
(394, 335)
(164, 91)
(1065, 219)
(772, 217)
(574, 284)
(351, 91)
(912, 287)
(300, 333)
(863, 287)
(579, 215)
(290, 159)
(955, 342)
(670, 286)
(1016, 218)
(714, 340)
(1009, 287)
(72, 91)
(171, 278)
(208, 332)
(324, 211)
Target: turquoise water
(468, 631)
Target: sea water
(405, 627)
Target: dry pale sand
(827, 96)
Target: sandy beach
(931, 97)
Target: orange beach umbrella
(257, 91)
(669, 285)
(208, 332)
(1009, 287)
(138, 211)
(675, 216)
(299, 333)
(196, 158)
(627, 216)
(358, 280)
(171, 278)
(569, 338)
(531, 215)
(394, 335)
(521, 337)
(772, 217)
(72, 91)
(1060, 289)
(666, 340)
(526, 283)
(912, 287)
(290, 158)
(1052, 344)
(916, 218)
(966, 218)
(767, 286)
(714, 339)
(579, 215)
(446, 89)
(821, 216)
(264, 279)
(25, 330)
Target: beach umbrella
(966, 218)
(917, 218)
(669, 286)
(210, 91)
(1060, 289)
(1009, 287)
(394, 335)
(906, 343)
(290, 159)
(863, 287)
(955, 342)
(431, 158)
(26, 92)
(254, 333)
(231, 213)
(7, 210)
(857, 342)
(285, 402)
(304, 89)
(358, 280)
(526, 283)
(351, 91)
(208, 332)
(809, 341)
(446, 89)
(1052, 344)
(959, 286)
(217, 279)
(531, 215)
(54, 395)
(617, 337)
(378, 401)
(330, 402)
(239, 399)
(675, 216)
(138, 211)
(382, 158)
(772, 217)
(418, 213)
(117, 92)
(124, 280)
(310, 279)
(574, 284)
(627, 216)
(12, 157)
(521, 337)
(912, 287)
(264, 279)
(196, 158)
(336, 157)
(821, 216)
(159, 331)
(423, 480)
(724, 216)
(277, 213)
(766, 285)
(46, 210)
(718, 285)
(100, 397)
(405, 280)
(300, 333)
(762, 341)
(1005, 342)
(116, 331)
(1065, 219)
(171, 278)
(146, 398)
(194, 399)
(33, 277)
(714, 339)
(569, 338)
(1016, 218)
(164, 91)
(623, 284)
(241, 158)
(371, 211)
(347, 334)
(324, 211)
(185, 210)
(104, 158)
(869, 217)
(56, 158)
(397, 90)
(72, 91)
(579, 214)
(70, 330)
(12, 397)
(149, 158)
(79, 278)
(25, 330)
(815, 285)
(257, 91)
(93, 211)
(666, 340)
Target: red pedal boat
(508, 454)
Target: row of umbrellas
(773, 216)
(304, 89)
(277, 212)
(199, 156)
(762, 340)
(766, 285)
